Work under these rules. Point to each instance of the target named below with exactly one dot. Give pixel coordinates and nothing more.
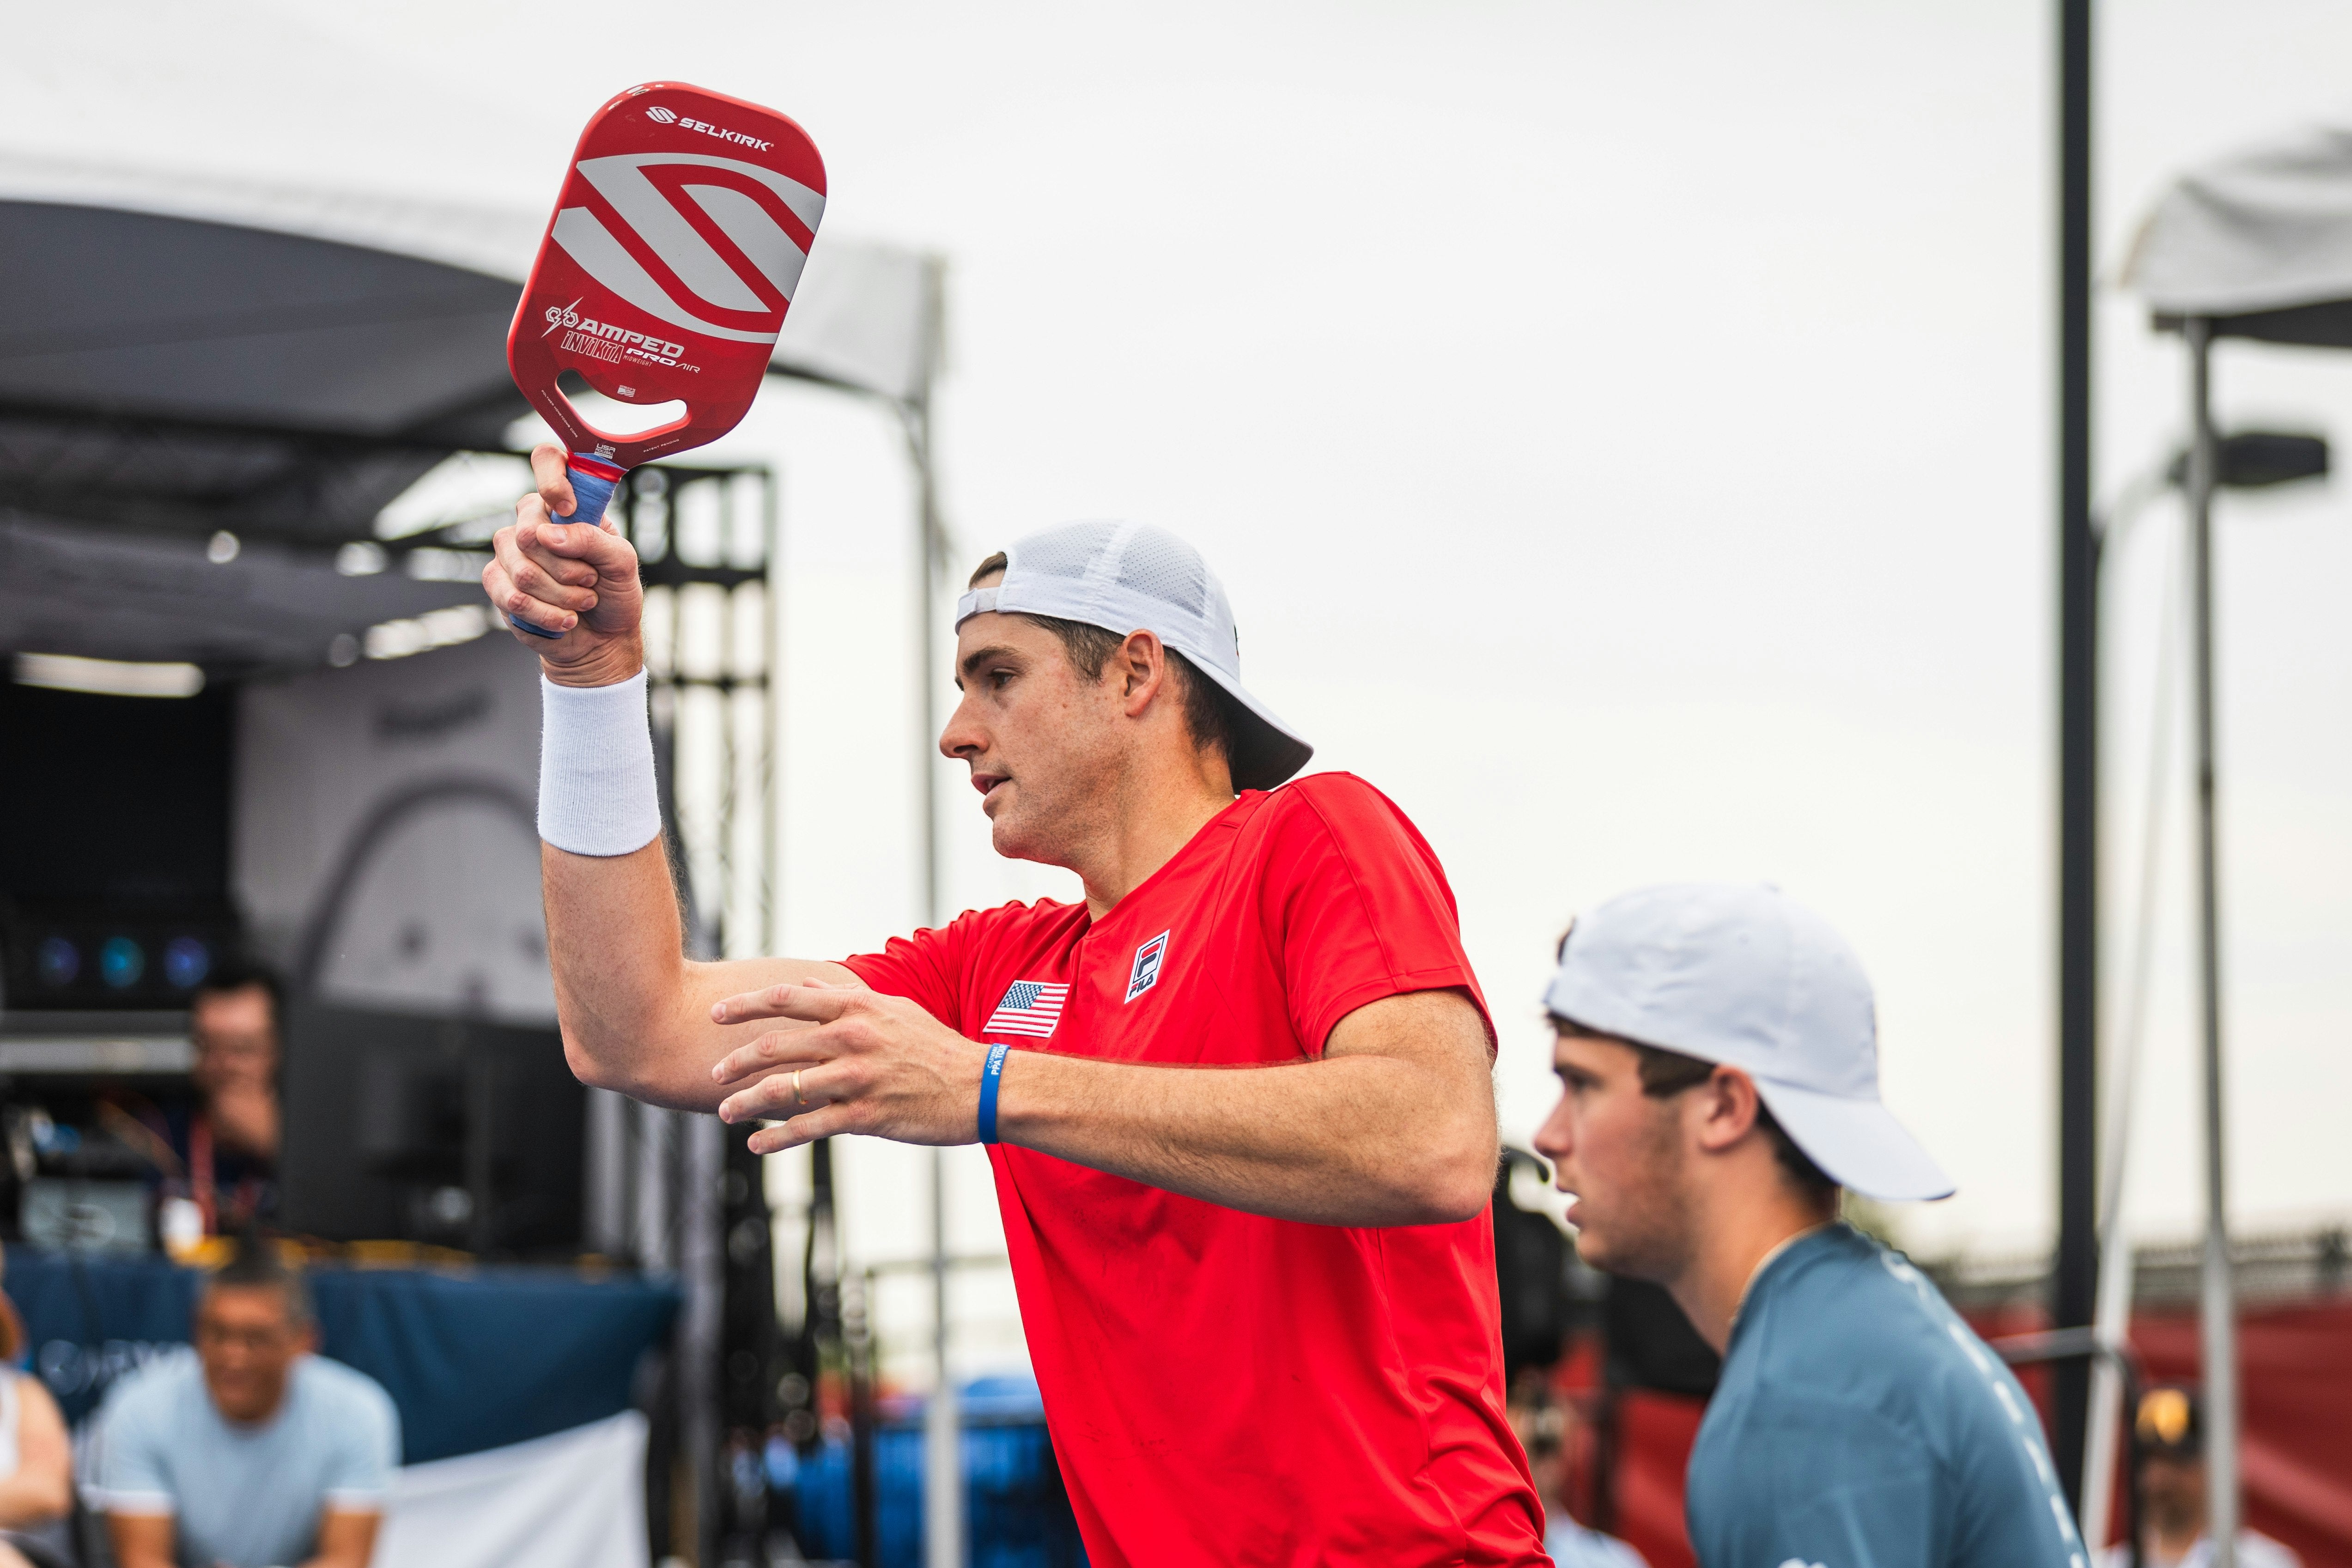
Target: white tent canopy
(867, 318)
(204, 332)
(122, 104)
(2260, 241)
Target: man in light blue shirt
(1718, 1050)
(252, 1452)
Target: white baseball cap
(1747, 976)
(1131, 577)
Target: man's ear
(1143, 669)
(1727, 1105)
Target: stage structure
(2256, 245)
(263, 432)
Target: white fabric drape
(576, 1499)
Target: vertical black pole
(2075, 1278)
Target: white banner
(576, 1499)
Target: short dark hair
(235, 973)
(1665, 1074)
(257, 1265)
(1208, 711)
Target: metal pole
(2074, 1276)
(943, 1428)
(2112, 1326)
(2218, 1309)
(942, 1424)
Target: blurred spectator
(2170, 1427)
(254, 1452)
(1546, 1428)
(36, 1459)
(229, 1137)
(216, 1155)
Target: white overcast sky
(1624, 431)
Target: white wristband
(596, 789)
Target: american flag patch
(1030, 1007)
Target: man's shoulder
(1346, 794)
(155, 1390)
(337, 1385)
(1346, 810)
(1842, 1318)
(1851, 1326)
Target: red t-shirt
(1222, 1387)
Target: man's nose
(961, 738)
(1556, 1139)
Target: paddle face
(666, 272)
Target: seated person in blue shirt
(253, 1452)
(1719, 1052)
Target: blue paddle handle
(590, 493)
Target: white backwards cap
(1131, 577)
(1749, 977)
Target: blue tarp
(1017, 1515)
(474, 1361)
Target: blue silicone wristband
(590, 493)
(991, 1073)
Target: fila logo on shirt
(1145, 974)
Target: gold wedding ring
(798, 1098)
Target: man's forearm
(1395, 1125)
(143, 1540)
(346, 1539)
(614, 946)
(635, 1012)
(1346, 1142)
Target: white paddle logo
(661, 116)
(603, 340)
(713, 280)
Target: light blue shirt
(1570, 1545)
(1860, 1423)
(250, 1496)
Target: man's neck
(1154, 818)
(1734, 1245)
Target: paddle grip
(592, 491)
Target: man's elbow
(54, 1500)
(1453, 1181)
(595, 1069)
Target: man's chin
(1608, 1253)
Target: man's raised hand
(577, 580)
(866, 1063)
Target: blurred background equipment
(2255, 246)
(253, 437)
(452, 1132)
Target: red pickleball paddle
(666, 272)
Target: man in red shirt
(1261, 1304)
